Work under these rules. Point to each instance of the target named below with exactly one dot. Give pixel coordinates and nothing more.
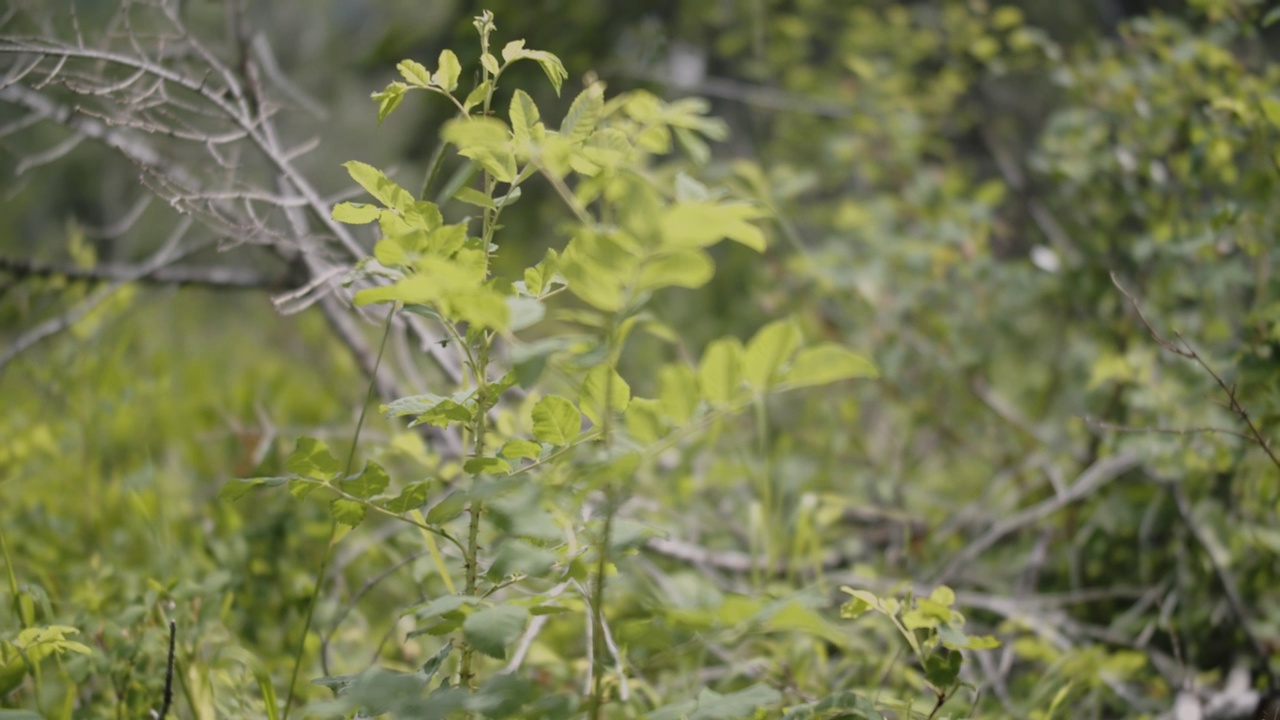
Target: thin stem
(766, 479)
(333, 525)
(600, 648)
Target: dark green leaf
(491, 629)
(347, 512)
(371, 481)
(412, 497)
(311, 458)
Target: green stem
(766, 481)
(600, 648)
(333, 525)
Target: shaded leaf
(490, 630)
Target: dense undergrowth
(943, 392)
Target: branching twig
(1184, 349)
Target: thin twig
(1186, 351)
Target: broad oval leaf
(490, 630)
(771, 346)
(827, 363)
(355, 213)
(446, 76)
(379, 185)
(720, 371)
(556, 421)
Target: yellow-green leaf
(827, 363)
(698, 224)
(478, 132)
(556, 421)
(355, 213)
(678, 391)
(446, 76)
(602, 380)
(414, 73)
(379, 185)
(720, 371)
(771, 346)
(685, 268)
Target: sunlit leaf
(311, 458)
(827, 363)
(556, 421)
(448, 70)
(379, 185)
(355, 213)
(720, 371)
(767, 350)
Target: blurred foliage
(951, 185)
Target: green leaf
(551, 65)
(476, 132)
(1271, 17)
(591, 397)
(441, 606)
(644, 420)
(855, 608)
(711, 705)
(471, 196)
(827, 363)
(482, 307)
(347, 512)
(698, 224)
(355, 213)
(685, 268)
(239, 487)
(379, 185)
(720, 371)
(771, 346)
(311, 458)
(433, 663)
(524, 114)
(477, 95)
(423, 215)
(371, 481)
(491, 629)
(490, 63)
(389, 99)
(412, 497)
(556, 421)
(446, 77)
(433, 409)
(524, 312)
(678, 391)
(942, 668)
(583, 115)
(540, 276)
(414, 73)
(519, 448)
(486, 465)
(519, 557)
(447, 509)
